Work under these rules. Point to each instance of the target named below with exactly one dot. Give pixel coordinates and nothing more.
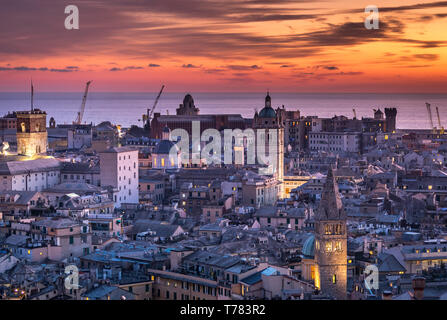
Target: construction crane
(430, 118)
(441, 128)
(150, 112)
(355, 113)
(84, 100)
(32, 95)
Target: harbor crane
(84, 100)
(430, 117)
(441, 128)
(150, 111)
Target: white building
(119, 169)
(31, 175)
(335, 142)
(79, 136)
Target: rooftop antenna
(32, 96)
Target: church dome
(188, 100)
(164, 147)
(309, 247)
(267, 112)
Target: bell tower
(31, 132)
(268, 121)
(331, 242)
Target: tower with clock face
(331, 242)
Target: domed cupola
(188, 101)
(267, 111)
(308, 250)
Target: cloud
(419, 6)
(23, 68)
(153, 65)
(326, 67)
(190, 66)
(242, 67)
(126, 68)
(214, 70)
(426, 56)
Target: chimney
(387, 295)
(418, 287)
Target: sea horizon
(126, 108)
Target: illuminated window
(386, 137)
(334, 278)
(329, 246)
(162, 162)
(430, 187)
(155, 162)
(338, 246)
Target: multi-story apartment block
(119, 169)
(335, 142)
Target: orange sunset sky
(231, 45)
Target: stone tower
(390, 122)
(31, 132)
(270, 120)
(331, 242)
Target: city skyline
(207, 46)
(298, 152)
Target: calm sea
(127, 108)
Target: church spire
(331, 207)
(268, 100)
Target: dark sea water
(126, 108)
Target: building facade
(32, 136)
(331, 242)
(270, 120)
(119, 169)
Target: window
(71, 239)
(338, 246)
